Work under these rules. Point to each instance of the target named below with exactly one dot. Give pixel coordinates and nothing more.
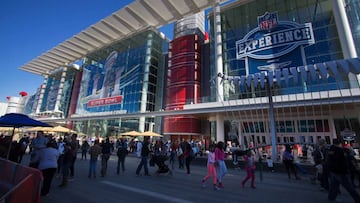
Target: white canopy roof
(131, 19)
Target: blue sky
(31, 27)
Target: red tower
(183, 85)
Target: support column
(220, 127)
(346, 38)
(272, 124)
(42, 91)
(219, 69)
(60, 91)
(145, 82)
(240, 136)
(218, 51)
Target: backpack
(121, 151)
(145, 149)
(287, 156)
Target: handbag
(179, 152)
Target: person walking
(221, 168)
(145, 151)
(211, 170)
(173, 154)
(188, 155)
(106, 149)
(122, 152)
(288, 160)
(339, 172)
(38, 143)
(94, 153)
(24, 142)
(250, 169)
(74, 150)
(61, 150)
(47, 159)
(84, 149)
(66, 162)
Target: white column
(219, 69)
(96, 82)
(60, 91)
(42, 91)
(145, 82)
(117, 81)
(218, 50)
(345, 35)
(220, 128)
(240, 136)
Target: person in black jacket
(339, 172)
(145, 151)
(107, 147)
(121, 153)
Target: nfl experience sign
(274, 44)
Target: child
(250, 169)
(211, 168)
(270, 164)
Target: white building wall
(3, 108)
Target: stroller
(159, 160)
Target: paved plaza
(182, 188)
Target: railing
(19, 183)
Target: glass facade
(353, 13)
(326, 47)
(54, 87)
(123, 77)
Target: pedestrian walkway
(180, 187)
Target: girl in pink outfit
(211, 170)
(221, 169)
(250, 169)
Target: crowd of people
(334, 164)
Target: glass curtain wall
(116, 77)
(326, 48)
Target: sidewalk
(180, 187)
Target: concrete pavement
(180, 187)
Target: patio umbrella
(131, 133)
(150, 133)
(61, 129)
(17, 120)
(34, 128)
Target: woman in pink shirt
(219, 159)
(210, 168)
(250, 169)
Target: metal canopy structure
(131, 19)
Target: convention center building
(253, 72)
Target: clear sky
(28, 28)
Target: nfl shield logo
(268, 21)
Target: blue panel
(262, 79)
(332, 69)
(249, 79)
(312, 71)
(256, 79)
(322, 70)
(344, 66)
(285, 73)
(278, 76)
(303, 73)
(294, 73)
(242, 80)
(354, 65)
(271, 78)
